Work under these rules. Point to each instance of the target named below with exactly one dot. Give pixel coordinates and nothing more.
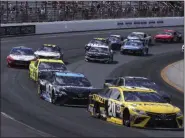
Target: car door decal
(111, 108)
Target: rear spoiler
(109, 80)
(96, 90)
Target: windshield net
(143, 97)
(72, 81)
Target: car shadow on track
(96, 62)
(19, 67)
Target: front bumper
(162, 39)
(97, 58)
(131, 50)
(19, 63)
(156, 121)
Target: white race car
(141, 36)
(49, 51)
(96, 42)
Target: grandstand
(49, 11)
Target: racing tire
(8, 65)
(122, 52)
(53, 98)
(126, 118)
(39, 90)
(96, 111)
(86, 60)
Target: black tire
(53, 98)
(39, 90)
(122, 52)
(126, 118)
(96, 110)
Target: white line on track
(40, 132)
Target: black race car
(99, 53)
(115, 41)
(64, 88)
(134, 81)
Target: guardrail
(87, 25)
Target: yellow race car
(134, 107)
(42, 67)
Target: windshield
(49, 49)
(130, 43)
(143, 97)
(114, 38)
(136, 35)
(99, 49)
(19, 51)
(52, 65)
(72, 81)
(99, 42)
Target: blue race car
(64, 88)
(135, 47)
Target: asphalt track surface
(19, 97)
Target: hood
(75, 89)
(45, 53)
(23, 57)
(154, 107)
(97, 53)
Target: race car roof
(22, 47)
(134, 77)
(134, 89)
(69, 74)
(169, 30)
(101, 46)
(138, 33)
(52, 45)
(99, 39)
(116, 35)
(50, 60)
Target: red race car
(169, 36)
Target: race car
(146, 38)
(65, 88)
(115, 41)
(134, 107)
(96, 42)
(168, 36)
(20, 56)
(50, 51)
(135, 47)
(36, 68)
(99, 53)
(182, 48)
(135, 81)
